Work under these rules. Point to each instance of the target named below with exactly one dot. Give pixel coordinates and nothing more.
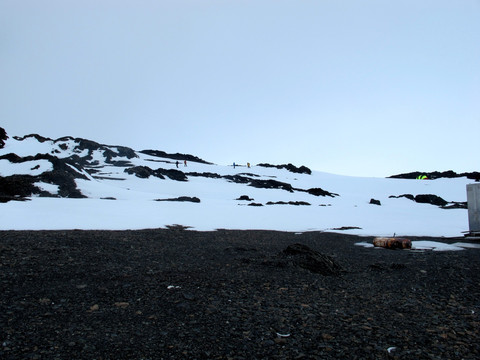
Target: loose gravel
(175, 293)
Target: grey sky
(367, 88)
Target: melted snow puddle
(432, 245)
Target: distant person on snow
(185, 162)
(176, 163)
(248, 165)
(234, 165)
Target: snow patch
(51, 188)
(34, 167)
(434, 246)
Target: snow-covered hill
(73, 183)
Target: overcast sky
(368, 88)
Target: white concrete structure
(473, 199)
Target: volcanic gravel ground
(175, 293)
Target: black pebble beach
(181, 294)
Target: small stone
(93, 308)
(188, 296)
(122, 304)
(327, 337)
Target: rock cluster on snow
(3, 137)
(434, 200)
(475, 175)
(292, 168)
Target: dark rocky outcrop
(430, 199)
(475, 175)
(63, 174)
(312, 260)
(375, 202)
(17, 187)
(245, 198)
(39, 138)
(238, 179)
(292, 168)
(271, 184)
(172, 174)
(145, 172)
(3, 137)
(408, 196)
(343, 228)
(177, 156)
(318, 192)
(296, 203)
(423, 199)
(262, 184)
(456, 205)
(204, 174)
(193, 199)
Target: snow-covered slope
(80, 184)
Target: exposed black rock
(204, 174)
(145, 172)
(250, 174)
(39, 138)
(347, 228)
(63, 174)
(109, 154)
(296, 203)
(430, 199)
(408, 196)
(475, 175)
(17, 187)
(423, 199)
(270, 184)
(292, 168)
(65, 181)
(456, 205)
(110, 151)
(255, 204)
(238, 179)
(176, 156)
(263, 184)
(312, 260)
(182, 199)
(318, 192)
(375, 202)
(172, 174)
(245, 198)
(13, 158)
(3, 137)
(277, 203)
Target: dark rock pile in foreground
(171, 294)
